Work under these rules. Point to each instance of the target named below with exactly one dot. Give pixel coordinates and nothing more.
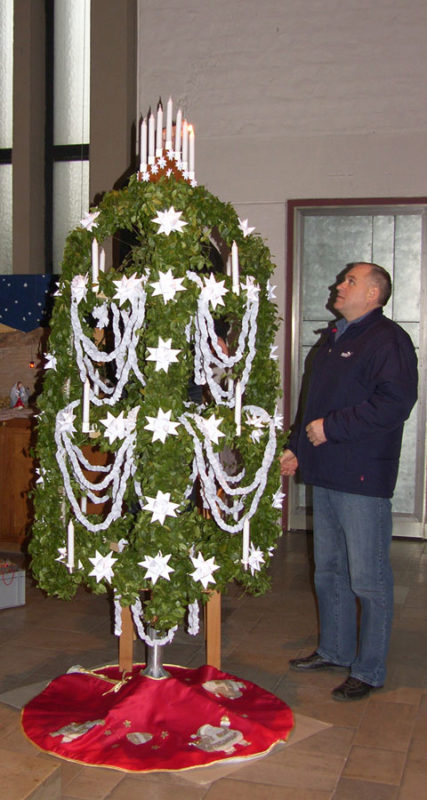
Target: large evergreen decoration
(125, 346)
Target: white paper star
(129, 288)
(156, 567)
(257, 424)
(119, 427)
(62, 557)
(278, 419)
(65, 421)
(161, 426)
(169, 221)
(273, 353)
(244, 227)
(160, 506)
(102, 566)
(210, 427)
(251, 288)
(255, 559)
(79, 287)
(41, 473)
(145, 177)
(101, 315)
(278, 498)
(163, 354)
(161, 162)
(50, 361)
(213, 291)
(270, 291)
(89, 220)
(154, 169)
(167, 285)
(204, 570)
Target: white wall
(293, 98)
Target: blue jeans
(352, 536)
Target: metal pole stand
(154, 667)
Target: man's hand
(316, 432)
(288, 463)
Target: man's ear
(373, 292)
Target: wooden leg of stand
(126, 641)
(213, 630)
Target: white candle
(70, 546)
(102, 260)
(178, 125)
(169, 114)
(151, 138)
(238, 407)
(245, 547)
(143, 146)
(96, 385)
(235, 268)
(191, 150)
(185, 145)
(83, 503)
(228, 268)
(159, 133)
(85, 420)
(95, 261)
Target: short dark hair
(381, 278)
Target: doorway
(325, 236)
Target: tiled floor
(375, 749)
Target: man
(362, 388)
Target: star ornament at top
(157, 567)
(244, 227)
(204, 569)
(169, 221)
(89, 220)
(213, 291)
(102, 566)
(160, 506)
(129, 288)
(162, 426)
(167, 286)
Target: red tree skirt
(194, 718)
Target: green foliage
(159, 466)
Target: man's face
(356, 294)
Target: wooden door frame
(294, 206)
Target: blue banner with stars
(26, 300)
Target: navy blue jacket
(364, 386)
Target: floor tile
(384, 766)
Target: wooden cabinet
(17, 478)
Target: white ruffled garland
(212, 473)
(123, 352)
(117, 474)
(208, 351)
(209, 358)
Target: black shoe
(353, 689)
(314, 661)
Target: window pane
(71, 70)
(6, 72)
(6, 218)
(70, 201)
